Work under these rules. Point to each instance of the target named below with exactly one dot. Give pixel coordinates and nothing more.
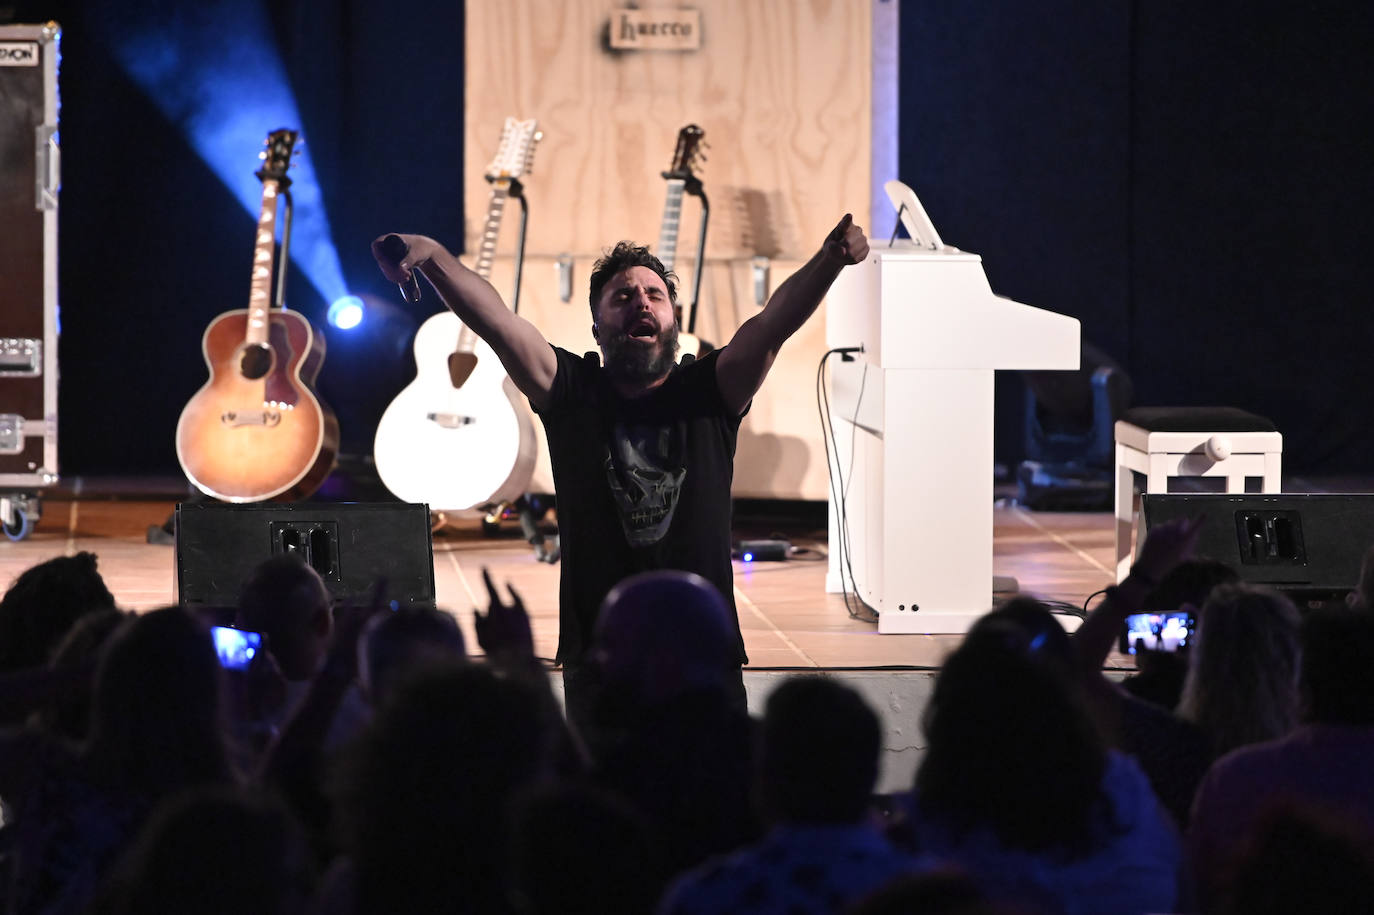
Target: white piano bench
(1165, 442)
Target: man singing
(642, 448)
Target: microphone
(394, 249)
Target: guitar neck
(672, 219)
(260, 291)
(486, 250)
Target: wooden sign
(656, 29)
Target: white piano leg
(1273, 477)
(1125, 513)
(936, 465)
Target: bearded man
(642, 446)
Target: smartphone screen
(1157, 631)
(235, 647)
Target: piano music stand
(913, 216)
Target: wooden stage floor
(788, 619)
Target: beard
(631, 361)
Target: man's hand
(846, 243)
(397, 255)
(745, 361)
(505, 629)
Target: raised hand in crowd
(1165, 546)
(503, 632)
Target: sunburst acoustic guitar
(256, 430)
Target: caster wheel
(22, 526)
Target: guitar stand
(546, 547)
(517, 190)
(164, 534)
(694, 187)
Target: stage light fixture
(347, 312)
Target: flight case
(29, 181)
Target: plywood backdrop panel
(783, 90)
(781, 87)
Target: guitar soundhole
(255, 360)
(460, 366)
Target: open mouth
(644, 329)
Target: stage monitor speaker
(1311, 544)
(351, 545)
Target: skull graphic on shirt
(644, 468)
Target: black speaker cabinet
(1311, 544)
(351, 545)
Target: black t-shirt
(641, 483)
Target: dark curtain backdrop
(1189, 180)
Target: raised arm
(744, 363)
(519, 345)
(1165, 546)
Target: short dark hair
(1001, 718)
(819, 747)
(624, 255)
(43, 603)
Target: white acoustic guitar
(682, 178)
(461, 435)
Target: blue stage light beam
(347, 312)
(213, 70)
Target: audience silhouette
(817, 765)
(43, 603)
(667, 732)
(1324, 767)
(214, 851)
(1018, 787)
(156, 727)
(366, 763)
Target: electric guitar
(687, 156)
(460, 435)
(256, 430)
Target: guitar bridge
(449, 420)
(250, 418)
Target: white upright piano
(911, 524)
